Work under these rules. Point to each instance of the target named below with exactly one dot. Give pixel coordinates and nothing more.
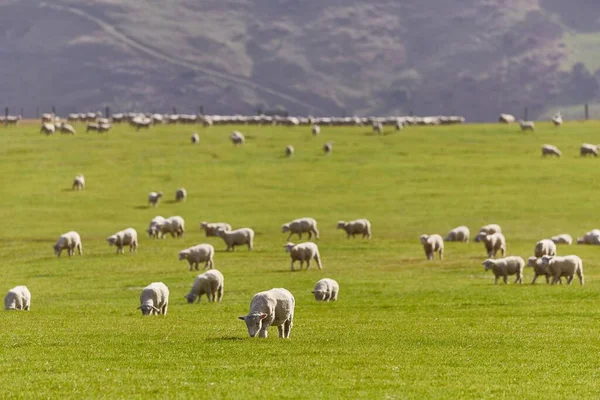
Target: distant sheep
(126, 237)
(17, 298)
(587, 149)
(154, 299)
(304, 252)
(557, 120)
(458, 234)
(173, 225)
(180, 194)
(200, 253)
(210, 229)
(432, 244)
(545, 247)
(562, 239)
(539, 269)
(316, 129)
(237, 138)
(289, 151)
(154, 227)
(377, 128)
(399, 125)
(272, 307)
(527, 125)
(300, 226)
(567, 266)
(69, 241)
(506, 119)
(47, 128)
(549, 150)
(326, 290)
(328, 148)
(78, 183)
(211, 283)
(493, 243)
(487, 230)
(239, 237)
(195, 138)
(359, 226)
(591, 237)
(502, 267)
(92, 127)
(66, 128)
(154, 198)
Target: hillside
(469, 57)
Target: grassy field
(403, 327)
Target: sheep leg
(280, 331)
(505, 278)
(519, 279)
(164, 310)
(197, 265)
(580, 276)
(79, 249)
(569, 279)
(441, 254)
(220, 293)
(307, 264)
(292, 266)
(535, 277)
(263, 333)
(287, 328)
(496, 280)
(555, 279)
(289, 236)
(334, 296)
(191, 265)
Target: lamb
(591, 237)
(562, 239)
(123, 238)
(431, 245)
(359, 226)
(506, 119)
(538, 269)
(493, 243)
(328, 148)
(154, 227)
(47, 128)
(564, 266)
(502, 267)
(195, 138)
(180, 194)
(211, 283)
(197, 254)
(557, 120)
(210, 229)
(377, 128)
(154, 299)
(527, 125)
(237, 138)
(300, 226)
(18, 298)
(304, 252)
(545, 247)
(173, 225)
(237, 238)
(271, 307)
(66, 128)
(69, 241)
(487, 230)
(289, 150)
(587, 149)
(326, 290)
(154, 198)
(458, 234)
(78, 183)
(316, 129)
(549, 150)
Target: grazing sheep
(458, 234)
(197, 254)
(173, 225)
(506, 119)
(126, 237)
(545, 247)
(154, 227)
(562, 239)
(104, 127)
(195, 138)
(211, 283)
(154, 198)
(237, 238)
(493, 243)
(527, 125)
(69, 241)
(399, 125)
(289, 150)
(557, 120)
(502, 267)
(487, 230)
(237, 138)
(316, 129)
(564, 266)
(300, 226)
(304, 252)
(92, 127)
(359, 226)
(326, 290)
(180, 194)
(377, 128)
(587, 149)
(538, 269)
(78, 183)
(549, 150)
(17, 298)
(66, 128)
(328, 148)
(431, 245)
(154, 299)
(272, 307)
(210, 229)
(48, 128)
(591, 237)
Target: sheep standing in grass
(197, 254)
(328, 148)
(48, 128)
(180, 194)
(506, 119)
(304, 252)
(539, 269)
(562, 239)
(154, 228)
(238, 237)
(459, 234)
(377, 128)
(587, 149)
(493, 243)
(359, 226)
(154, 299)
(237, 138)
(195, 138)
(211, 283)
(545, 247)
(66, 128)
(210, 229)
(272, 307)
(527, 125)
(502, 267)
(399, 125)
(326, 290)
(17, 298)
(300, 226)
(557, 120)
(92, 127)
(487, 230)
(289, 151)
(126, 237)
(549, 150)
(173, 225)
(78, 183)
(591, 237)
(69, 241)
(154, 198)
(566, 266)
(432, 244)
(316, 129)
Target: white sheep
(18, 298)
(527, 125)
(180, 194)
(197, 254)
(502, 267)
(538, 269)
(289, 150)
(237, 138)
(66, 128)
(360, 226)
(316, 129)
(154, 227)
(399, 125)
(238, 237)
(92, 127)
(545, 247)
(78, 183)
(563, 238)
(195, 138)
(432, 244)
(173, 225)
(210, 228)
(304, 252)
(587, 149)
(506, 119)
(126, 237)
(326, 290)
(564, 266)
(493, 243)
(328, 148)
(300, 226)
(47, 128)
(591, 237)
(211, 283)
(549, 150)
(557, 120)
(459, 234)
(271, 307)
(154, 198)
(487, 230)
(154, 299)
(377, 128)
(70, 241)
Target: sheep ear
(263, 315)
(242, 318)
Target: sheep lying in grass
(566, 266)
(238, 237)
(272, 307)
(211, 283)
(197, 254)
(300, 226)
(326, 290)
(562, 239)
(359, 226)
(289, 150)
(432, 244)
(544, 247)
(70, 241)
(78, 183)
(126, 237)
(173, 225)
(591, 237)
(487, 230)
(493, 243)
(154, 299)
(502, 267)
(210, 229)
(180, 194)
(304, 252)
(539, 269)
(17, 298)
(154, 227)
(458, 234)
(154, 198)
(549, 150)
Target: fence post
(107, 112)
(587, 111)
(53, 111)
(174, 110)
(201, 110)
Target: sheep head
(288, 246)
(487, 264)
(111, 240)
(183, 255)
(423, 238)
(547, 260)
(532, 262)
(341, 224)
(254, 322)
(285, 228)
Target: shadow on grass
(226, 338)
(141, 207)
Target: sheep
(154, 299)
(538, 269)
(78, 183)
(502, 267)
(399, 125)
(271, 307)
(377, 128)
(70, 241)
(18, 298)
(328, 148)
(545, 247)
(591, 237)
(506, 119)
(237, 238)
(47, 128)
(195, 138)
(104, 127)
(210, 229)
(66, 128)
(237, 138)
(527, 125)
(123, 238)
(197, 254)
(304, 252)
(289, 151)
(557, 120)
(326, 290)
(431, 245)
(493, 243)
(211, 283)
(549, 150)
(564, 266)
(316, 129)
(300, 226)
(359, 226)
(487, 230)
(173, 225)
(154, 198)
(562, 239)
(180, 194)
(587, 149)
(154, 227)
(92, 127)
(458, 234)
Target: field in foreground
(403, 327)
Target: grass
(403, 327)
